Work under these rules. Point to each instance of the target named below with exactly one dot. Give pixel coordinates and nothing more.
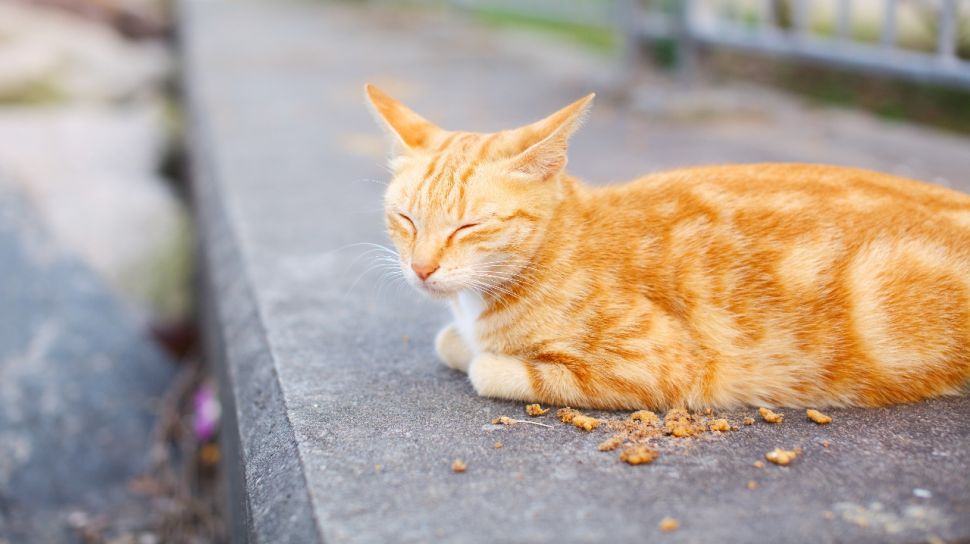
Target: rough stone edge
(269, 500)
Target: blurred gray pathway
(346, 426)
(79, 387)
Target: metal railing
(757, 26)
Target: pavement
(79, 390)
(343, 427)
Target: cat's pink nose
(424, 270)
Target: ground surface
(347, 426)
(79, 389)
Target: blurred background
(109, 416)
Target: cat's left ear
(412, 131)
(542, 146)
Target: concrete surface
(346, 426)
(79, 387)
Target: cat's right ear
(410, 129)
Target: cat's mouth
(434, 291)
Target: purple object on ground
(207, 412)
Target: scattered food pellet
(721, 425)
(645, 416)
(759, 464)
(499, 445)
(748, 420)
(818, 417)
(669, 524)
(585, 423)
(779, 456)
(826, 443)
(680, 431)
(610, 444)
(209, 455)
(566, 414)
(536, 410)
(752, 484)
(458, 466)
(503, 420)
(679, 424)
(770, 416)
(638, 455)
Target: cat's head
(467, 210)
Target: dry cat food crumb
(645, 416)
(503, 420)
(585, 423)
(633, 431)
(818, 417)
(752, 484)
(748, 421)
(721, 425)
(779, 456)
(680, 424)
(826, 443)
(770, 416)
(458, 466)
(638, 455)
(610, 444)
(759, 464)
(499, 445)
(566, 414)
(536, 410)
(669, 524)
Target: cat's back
(788, 199)
(858, 276)
(771, 182)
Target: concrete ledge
(266, 484)
(341, 426)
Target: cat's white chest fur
(466, 308)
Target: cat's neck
(560, 237)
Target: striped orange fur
(775, 284)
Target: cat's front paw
(452, 349)
(501, 377)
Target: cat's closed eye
(465, 227)
(408, 220)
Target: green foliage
(595, 38)
(44, 91)
(941, 107)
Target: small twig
(532, 422)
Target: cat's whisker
(374, 266)
(390, 278)
(367, 253)
(357, 244)
(382, 183)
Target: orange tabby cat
(777, 284)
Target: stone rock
(50, 55)
(79, 387)
(90, 172)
